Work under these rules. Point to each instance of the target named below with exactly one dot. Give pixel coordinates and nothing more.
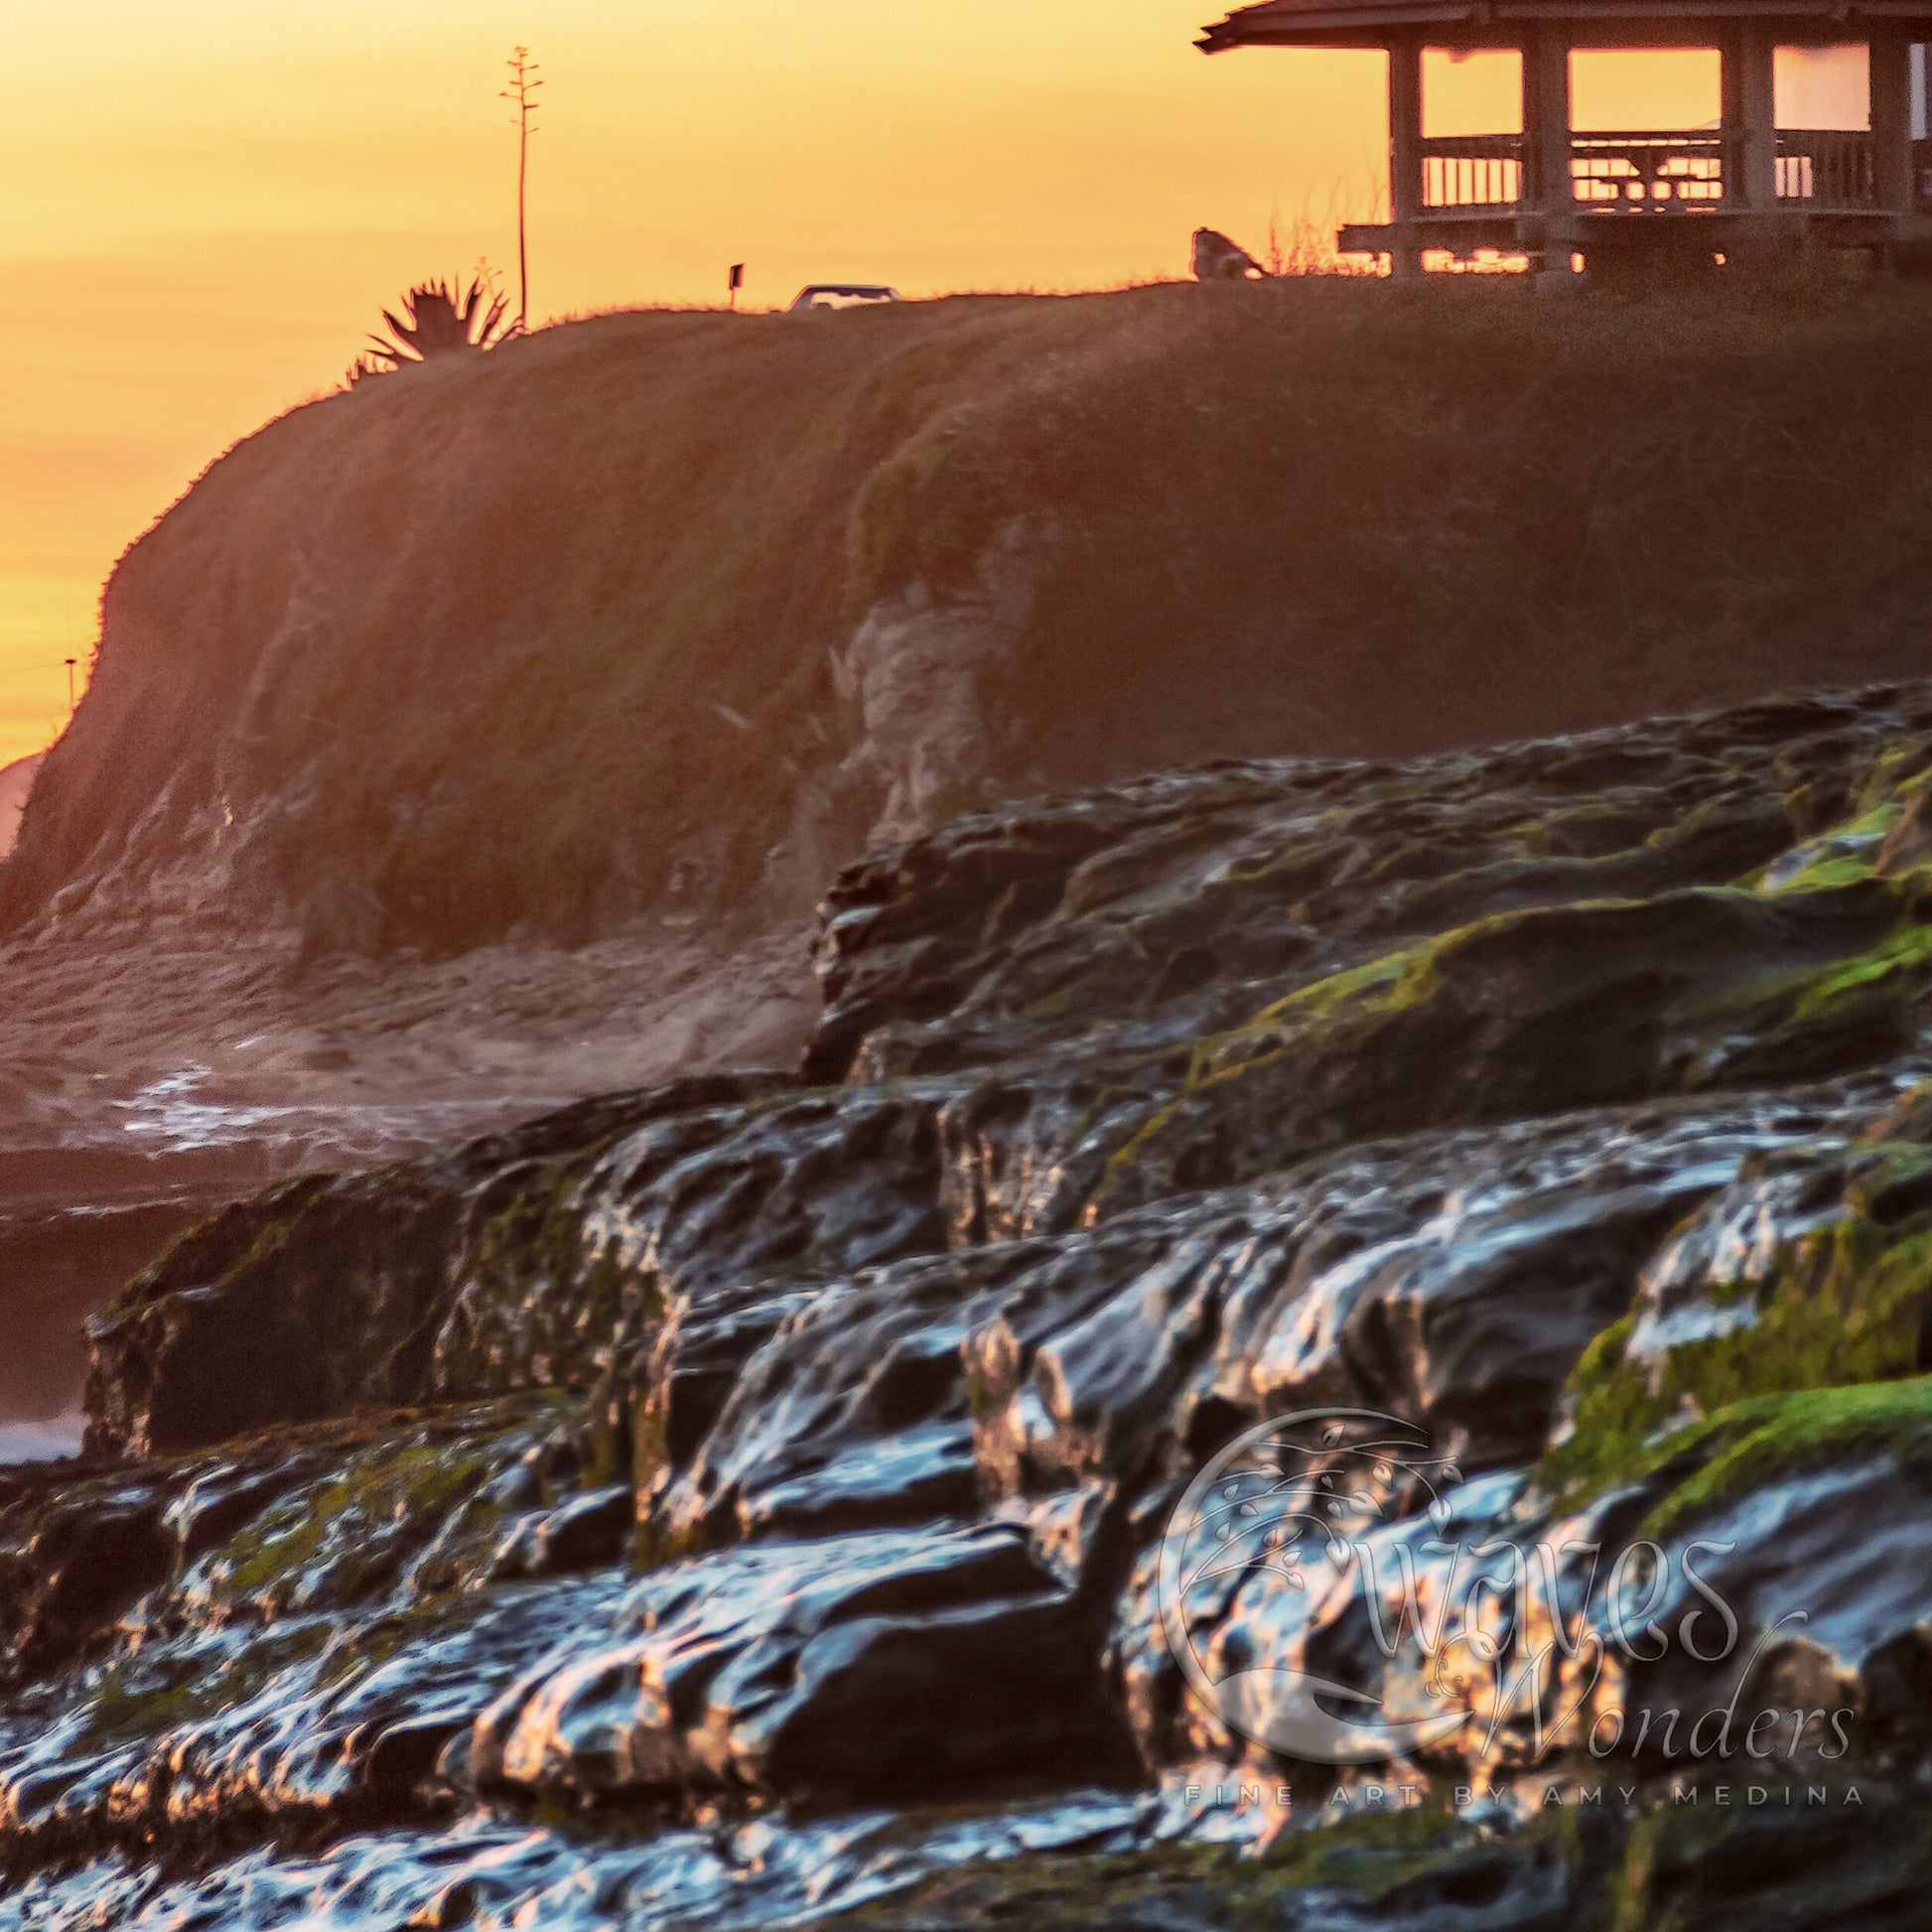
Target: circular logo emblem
(1283, 1506)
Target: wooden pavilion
(1733, 189)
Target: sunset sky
(206, 203)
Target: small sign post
(736, 282)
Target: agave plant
(438, 318)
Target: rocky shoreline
(746, 1500)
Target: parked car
(839, 295)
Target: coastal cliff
(674, 614)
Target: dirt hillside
(16, 781)
(672, 613)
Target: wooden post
(1750, 117)
(1892, 116)
(1546, 120)
(1405, 149)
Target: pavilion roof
(1367, 22)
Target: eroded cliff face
(748, 1498)
(672, 615)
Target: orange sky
(206, 202)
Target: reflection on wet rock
(749, 1499)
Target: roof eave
(1359, 25)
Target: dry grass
(451, 650)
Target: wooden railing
(1474, 171)
(1652, 172)
(1657, 173)
(1826, 168)
(1642, 174)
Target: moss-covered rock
(1796, 1280)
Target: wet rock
(90, 1558)
(309, 1664)
(1159, 905)
(1468, 939)
(586, 1532)
(827, 1667)
(1898, 1682)
(853, 1410)
(590, 1512)
(520, 1260)
(1803, 1511)
(1809, 1270)
(1740, 1607)
(489, 1871)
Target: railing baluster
(1464, 171)
(1826, 168)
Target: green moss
(129, 1702)
(1414, 1863)
(1843, 869)
(1056, 1005)
(1125, 1158)
(1896, 966)
(408, 1512)
(1897, 773)
(1389, 976)
(1844, 1304)
(200, 1251)
(1367, 1855)
(539, 1297)
(1388, 983)
(601, 1290)
(1715, 1462)
(538, 1238)
(1368, 1851)
(1751, 999)
(1391, 983)
(981, 1401)
(1840, 855)
(1614, 1413)
(1755, 1442)
(1736, 1868)
(1708, 1867)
